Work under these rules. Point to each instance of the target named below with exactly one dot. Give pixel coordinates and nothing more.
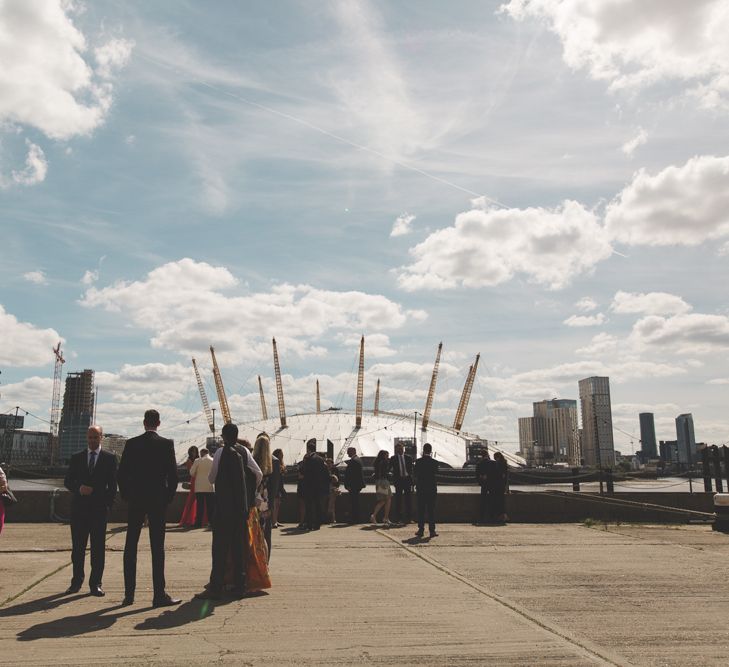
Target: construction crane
(279, 387)
(431, 390)
(318, 399)
(206, 405)
(376, 411)
(264, 412)
(222, 398)
(360, 386)
(56, 402)
(466, 395)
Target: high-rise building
(555, 431)
(598, 448)
(77, 414)
(685, 438)
(648, 436)
(526, 439)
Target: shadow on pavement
(72, 626)
(41, 604)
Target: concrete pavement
(564, 594)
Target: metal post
(213, 421)
(706, 469)
(717, 469)
(726, 462)
(575, 480)
(609, 475)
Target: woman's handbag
(8, 498)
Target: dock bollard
(721, 509)
(575, 479)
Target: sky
(543, 182)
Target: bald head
(93, 436)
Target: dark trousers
(156, 516)
(88, 523)
(228, 537)
(313, 511)
(202, 501)
(485, 508)
(492, 505)
(354, 500)
(426, 506)
(403, 489)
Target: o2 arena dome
(368, 431)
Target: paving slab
(518, 595)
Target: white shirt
(88, 456)
(250, 462)
(200, 472)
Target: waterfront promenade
(559, 594)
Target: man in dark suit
(484, 475)
(354, 482)
(426, 468)
(148, 482)
(315, 482)
(91, 478)
(402, 476)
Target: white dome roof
(377, 432)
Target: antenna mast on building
(264, 412)
(222, 398)
(318, 399)
(279, 386)
(204, 397)
(376, 411)
(466, 395)
(360, 385)
(431, 390)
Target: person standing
(3, 489)
(315, 485)
(204, 490)
(91, 478)
(231, 514)
(277, 485)
(189, 511)
(500, 487)
(484, 476)
(401, 466)
(383, 492)
(426, 486)
(148, 482)
(354, 483)
(264, 494)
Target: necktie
(402, 466)
(92, 462)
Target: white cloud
(33, 394)
(634, 44)
(36, 277)
(586, 304)
(45, 82)
(189, 312)
(112, 56)
(585, 320)
(600, 345)
(652, 303)
(488, 247)
(23, 344)
(679, 205)
(90, 277)
(401, 226)
(638, 140)
(719, 381)
(377, 345)
(35, 170)
(690, 333)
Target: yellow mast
(318, 400)
(431, 390)
(376, 411)
(264, 412)
(466, 395)
(206, 405)
(279, 386)
(360, 385)
(222, 398)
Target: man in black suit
(484, 475)
(402, 476)
(315, 482)
(426, 468)
(148, 482)
(91, 478)
(354, 482)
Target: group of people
(232, 489)
(492, 476)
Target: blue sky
(542, 182)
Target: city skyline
(541, 183)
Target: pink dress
(188, 513)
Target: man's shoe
(166, 601)
(128, 600)
(419, 533)
(434, 534)
(73, 588)
(238, 593)
(97, 591)
(208, 594)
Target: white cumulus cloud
(24, 344)
(489, 247)
(36, 277)
(652, 303)
(689, 333)
(586, 304)
(401, 226)
(585, 320)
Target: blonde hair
(262, 454)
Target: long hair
(381, 463)
(278, 453)
(262, 454)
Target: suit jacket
(148, 470)
(353, 475)
(102, 479)
(425, 469)
(316, 476)
(395, 467)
